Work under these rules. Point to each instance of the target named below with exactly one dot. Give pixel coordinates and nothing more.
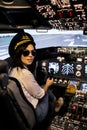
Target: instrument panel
(68, 67)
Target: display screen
(83, 87)
(53, 67)
(72, 86)
(85, 71)
(67, 69)
(73, 83)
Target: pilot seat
(15, 111)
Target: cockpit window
(45, 39)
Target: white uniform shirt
(30, 87)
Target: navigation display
(67, 69)
(83, 87)
(53, 67)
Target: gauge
(79, 67)
(78, 73)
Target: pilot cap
(18, 40)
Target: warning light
(70, 13)
(60, 14)
(74, 107)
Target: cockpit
(62, 56)
(59, 28)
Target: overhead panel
(19, 14)
(44, 14)
(63, 14)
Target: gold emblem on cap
(24, 39)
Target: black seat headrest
(3, 66)
(3, 74)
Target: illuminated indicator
(70, 13)
(85, 68)
(74, 107)
(67, 69)
(85, 71)
(43, 63)
(60, 14)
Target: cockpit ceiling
(43, 14)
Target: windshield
(46, 38)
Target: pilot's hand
(49, 82)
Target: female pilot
(22, 51)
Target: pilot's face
(28, 55)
